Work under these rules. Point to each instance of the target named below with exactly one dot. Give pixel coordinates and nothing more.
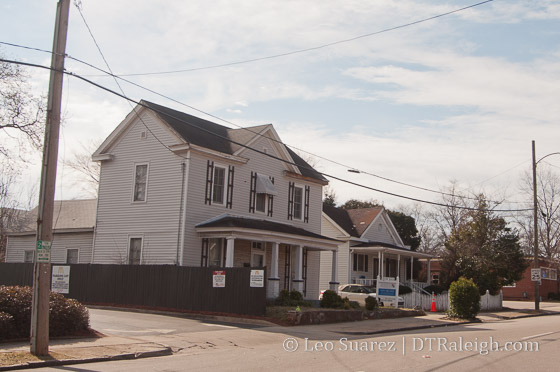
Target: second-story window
(140, 182)
(261, 198)
(298, 203)
(219, 186)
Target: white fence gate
(487, 301)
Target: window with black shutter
(306, 205)
(209, 182)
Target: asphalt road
(529, 344)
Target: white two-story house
(177, 189)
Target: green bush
(371, 303)
(553, 296)
(403, 289)
(7, 329)
(331, 300)
(290, 298)
(66, 316)
(464, 298)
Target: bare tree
(87, 169)
(21, 114)
(13, 217)
(548, 211)
(428, 231)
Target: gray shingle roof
(68, 214)
(217, 137)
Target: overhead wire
(77, 3)
(305, 50)
(140, 103)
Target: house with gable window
(370, 248)
(178, 189)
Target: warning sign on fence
(219, 278)
(257, 278)
(60, 279)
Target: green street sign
(43, 251)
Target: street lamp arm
(546, 156)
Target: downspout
(177, 262)
(186, 169)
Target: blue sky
(459, 97)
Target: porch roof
(376, 247)
(227, 225)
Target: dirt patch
(23, 357)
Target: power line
(305, 50)
(140, 103)
(350, 168)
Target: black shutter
(253, 192)
(204, 254)
(366, 258)
(304, 274)
(291, 187)
(229, 197)
(287, 267)
(209, 182)
(306, 207)
(270, 200)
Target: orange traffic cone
(433, 309)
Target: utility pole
(535, 228)
(42, 268)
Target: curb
(65, 362)
(414, 328)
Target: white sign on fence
(257, 278)
(60, 279)
(219, 278)
(388, 291)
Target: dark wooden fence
(155, 286)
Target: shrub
(403, 289)
(332, 300)
(66, 316)
(348, 305)
(290, 298)
(7, 329)
(464, 298)
(371, 303)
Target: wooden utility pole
(42, 268)
(535, 228)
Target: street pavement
(126, 340)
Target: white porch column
(411, 268)
(382, 265)
(229, 251)
(380, 261)
(399, 265)
(298, 280)
(333, 284)
(273, 289)
(429, 278)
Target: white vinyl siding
(82, 241)
(157, 219)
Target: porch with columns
(388, 263)
(290, 256)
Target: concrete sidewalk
(77, 351)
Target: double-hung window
(360, 262)
(219, 185)
(262, 192)
(72, 255)
(298, 203)
(215, 252)
(135, 251)
(140, 182)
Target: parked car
(358, 293)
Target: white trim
(69, 249)
(130, 237)
(136, 165)
(302, 187)
(225, 186)
(180, 148)
(184, 217)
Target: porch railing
(368, 282)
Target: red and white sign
(219, 278)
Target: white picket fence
(487, 301)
